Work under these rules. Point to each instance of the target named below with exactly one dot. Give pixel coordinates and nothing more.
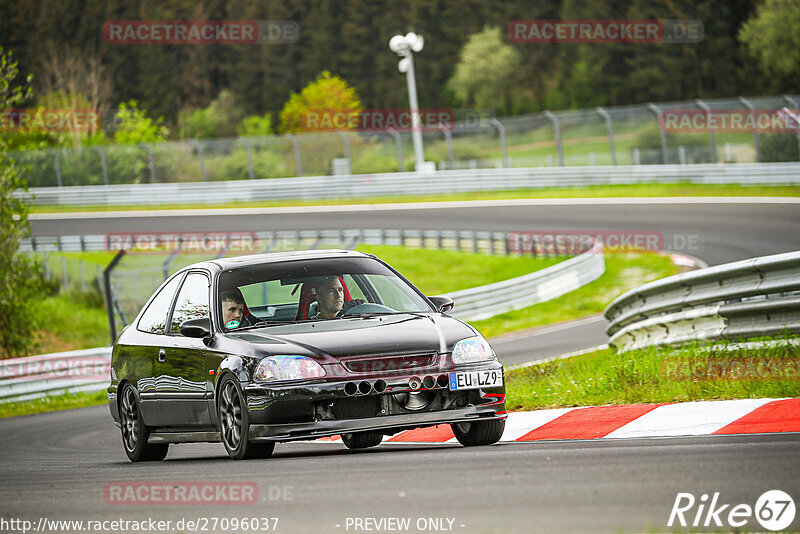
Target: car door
(181, 369)
(142, 358)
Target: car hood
(356, 336)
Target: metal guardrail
(516, 293)
(749, 298)
(50, 374)
(410, 183)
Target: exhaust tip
(414, 382)
(350, 389)
(443, 381)
(364, 387)
(380, 386)
(428, 382)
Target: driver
(330, 296)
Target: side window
(154, 319)
(192, 301)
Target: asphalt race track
(57, 465)
(714, 230)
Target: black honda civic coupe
(290, 346)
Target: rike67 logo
(774, 510)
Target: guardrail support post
(746, 103)
(792, 102)
(399, 145)
(501, 132)
(151, 162)
(557, 133)
(610, 127)
(250, 171)
(103, 164)
(298, 162)
(655, 109)
(57, 161)
(199, 148)
(702, 105)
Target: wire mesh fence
(625, 135)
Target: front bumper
(379, 404)
(390, 424)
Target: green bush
(648, 141)
(779, 147)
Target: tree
(328, 93)
(20, 276)
(134, 126)
(219, 119)
(255, 125)
(488, 73)
(772, 37)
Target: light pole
(403, 46)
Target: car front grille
(389, 364)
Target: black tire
(362, 440)
(235, 425)
(485, 433)
(134, 432)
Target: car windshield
(313, 290)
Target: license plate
(475, 379)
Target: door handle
(162, 355)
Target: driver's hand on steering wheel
(350, 304)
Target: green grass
(623, 272)
(69, 324)
(598, 191)
(442, 271)
(649, 375)
(49, 404)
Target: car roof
(236, 262)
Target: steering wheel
(367, 307)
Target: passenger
(234, 310)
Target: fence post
(746, 103)
(58, 167)
(150, 161)
(702, 105)
(83, 275)
(64, 275)
(682, 155)
(655, 109)
(792, 102)
(298, 162)
(103, 164)
(109, 296)
(250, 170)
(399, 145)
(636, 157)
(501, 132)
(199, 148)
(610, 127)
(557, 133)
(448, 138)
(346, 143)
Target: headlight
(287, 368)
(473, 349)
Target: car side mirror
(199, 328)
(442, 303)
